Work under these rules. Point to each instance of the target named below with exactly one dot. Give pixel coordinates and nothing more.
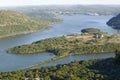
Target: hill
(114, 22)
(14, 23)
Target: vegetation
(114, 22)
(91, 30)
(14, 23)
(117, 57)
(44, 62)
(71, 44)
(78, 70)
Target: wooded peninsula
(91, 40)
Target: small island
(91, 30)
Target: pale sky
(55, 2)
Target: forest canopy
(114, 22)
(91, 30)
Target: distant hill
(55, 10)
(14, 23)
(114, 22)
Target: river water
(71, 58)
(70, 25)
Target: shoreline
(35, 66)
(47, 27)
(24, 33)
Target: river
(71, 58)
(70, 25)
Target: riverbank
(44, 62)
(24, 33)
(57, 60)
(30, 31)
(13, 23)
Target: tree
(117, 57)
(47, 78)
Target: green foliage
(114, 22)
(109, 47)
(14, 23)
(77, 70)
(117, 57)
(63, 46)
(90, 30)
(50, 45)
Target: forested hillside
(14, 23)
(114, 22)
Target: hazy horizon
(13, 3)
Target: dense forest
(114, 22)
(14, 23)
(117, 57)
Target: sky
(56, 2)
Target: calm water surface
(70, 25)
(69, 59)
